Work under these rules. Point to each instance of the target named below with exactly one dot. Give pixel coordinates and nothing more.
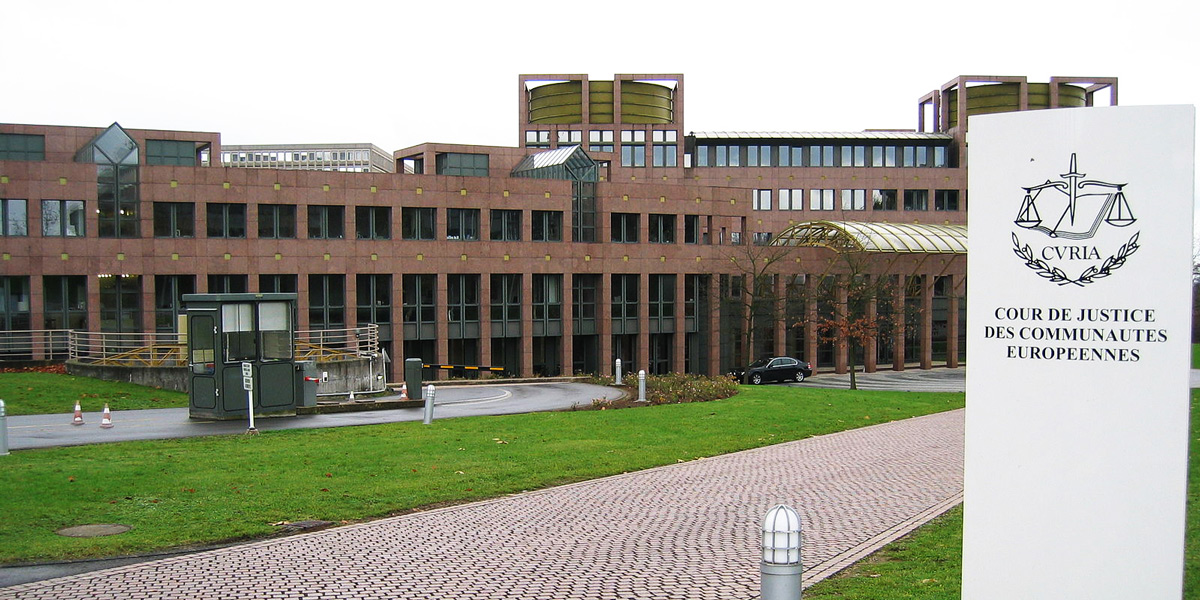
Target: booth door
(202, 338)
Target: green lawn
(928, 563)
(205, 490)
(48, 393)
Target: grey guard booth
(226, 330)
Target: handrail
(170, 349)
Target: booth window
(237, 325)
(273, 322)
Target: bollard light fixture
(781, 536)
(781, 568)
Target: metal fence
(169, 349)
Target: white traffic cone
(78, 420)
(404, 391)
(106, 418)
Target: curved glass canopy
(855, 236)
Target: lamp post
(781, 566)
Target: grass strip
(207, 490)
(927, 564)
(49, 393)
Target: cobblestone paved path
(686, 531)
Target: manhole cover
(96, 530)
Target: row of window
(663, 153)
(19, 146)
(308, 156)
(820, 155)
(65, 298)
(65, 218)
(826, 199)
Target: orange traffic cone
(106, 418)
(78, 420)
(404, 391)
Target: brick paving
(688, 531)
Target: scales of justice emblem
(1081, 215)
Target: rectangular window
(876, 156)
(625, 299)
(665, 148)
(225, 220)
(661, 229)
(505, 304)
(583, 211)
(883, 199)
(547, 225)
(860, 156)
(762, 199)
(701, 156)
(326, 301)
(15, 309)
(170, 152)
(62, 218)
(121, 303)
(569, 138)
(820, 199)
(117, 204)
(168, 300)
(462, 301)
(462, 224)
(600, 141)
(585, 298)
(547, 298)
(227, 284)
(277, 221)
(889, 156)
(910, 156)
(916, 199)
(791, 199)
(506, 225)
(374, 299)
(373, 222)
(945, 200)
(762, 238)
(417, 223)
(691, 229)
(735, 156)
(462, 163)
(14, 219)
(624, 228)
(419, 301)
(174, 219)
(537, 139)
(722, 156)
(326, 222)
(922, 156)
(854, 199)
(939, 156)
(19, 146)
(633, 148)
(65, 301)
(277, 284)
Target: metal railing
(170, 349)
(36, 344)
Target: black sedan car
(779, 368)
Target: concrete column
(781, 325)
(901, 316)
(679, 340)
(713, 325)
(485, 319)
(952, 325)
(604, 323)
(567, 347)
(927, 322)
(441, 301)
(810, 321)
(526, 325)
(871, 346)
(841, 347)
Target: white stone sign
(1079, 304)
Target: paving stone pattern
(688, 531)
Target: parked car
(779, 368)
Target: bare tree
(755, 295)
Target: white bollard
(618, 371)
(429, 393)
(642, 385)
(3, 430)
(781, 566)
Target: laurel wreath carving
(1089, 275)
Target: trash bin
(307, 378)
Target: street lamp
(781, 566)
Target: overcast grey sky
(398, 74)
